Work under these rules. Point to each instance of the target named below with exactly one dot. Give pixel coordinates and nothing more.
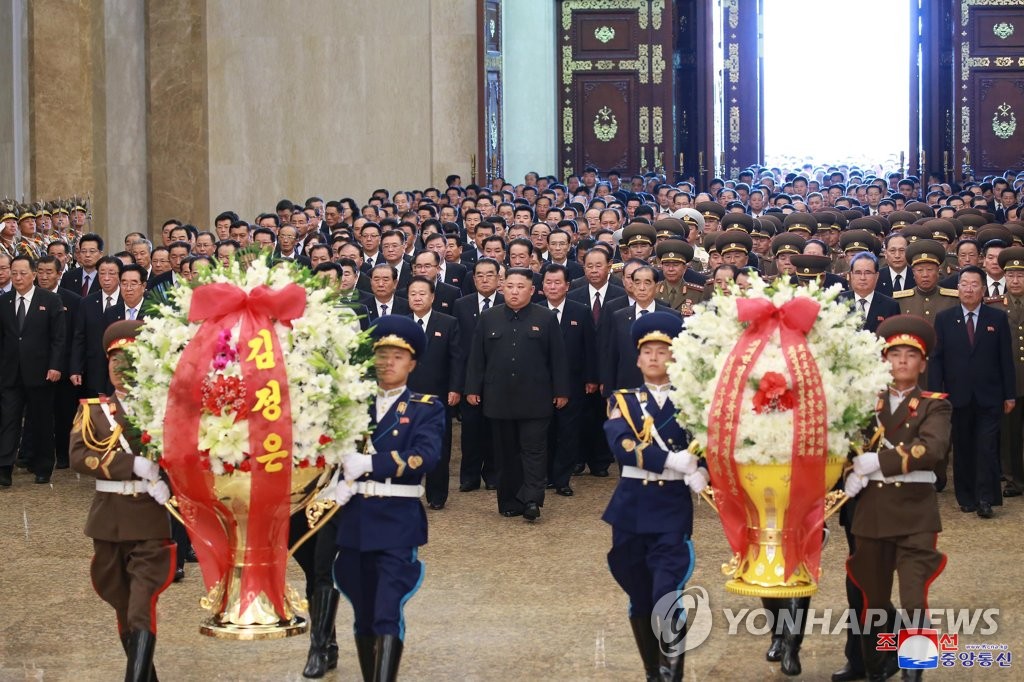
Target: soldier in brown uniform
(673, 290)
(896, 523)
(927, 298)
(1011, 260)
(134, 556)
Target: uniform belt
(909, 477)
(387, 489)
(643, 474)
(121, 487)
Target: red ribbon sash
(211, 525)
(805, 515)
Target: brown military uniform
(896, 522)
(134, 556)
(683, 297)
(926, 304)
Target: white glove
(854, 484)
(683, 462)
(866, 464)
(343, 492)
(355, 466)
(159, 491)
(146, 469)
(697, 481)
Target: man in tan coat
(134, 556)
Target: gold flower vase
(261, 619)
(761, 573)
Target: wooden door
(616, 90)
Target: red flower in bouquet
(773, 395)
(224, 394)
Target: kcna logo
(682, 620)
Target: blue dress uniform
(651, 512)
(382, 527)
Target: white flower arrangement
(326, 359)
(849, 360)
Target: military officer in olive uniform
(896, 523)
(651, 512)
(134, 556)
(674, 291)
(382, 522)
(1011, 260)
(927, 299)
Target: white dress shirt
(385, 399)
(480, 300)
(389, 303)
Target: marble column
(14, 123)
(453, 92)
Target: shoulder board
(947, 292)
(694, 287)
(617, 267)
(994, 299)
(933, 395)
(905, 293)
(94, 401)
(422, 398)
(624, 391)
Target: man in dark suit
(439, 371)
(425, 264)
(559, 243)
(83, 280)
(66, 395)
(287, 246)
(32, 337)
(88, 358)
(973, 363)
(132, 289)
(517, 371)
(619, 353)
(452, 274)
(383, 281)
(392, 248)
(477, 454)
(577, 326)
(872, 306)
(895, 276)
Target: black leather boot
(322, 610)
(141, 644)
(670, 667)
(389, 655)
(366, 650)
(773, 606)
(911, 675)
(793, 635)
(647, 644)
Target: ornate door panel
(616, 90)
(991, 85)
(491, 163)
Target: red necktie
(596, 310)
(85, 285)
(970, 328)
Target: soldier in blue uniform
(382, 522)
(651, 512)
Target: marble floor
(502, 600)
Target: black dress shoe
(600, 473)
(190, 556)
(1011, 491)
(550, 486)
(490, 486)
(984, 510)
(66, 465)
(436, 505)
(564, 491)
(531, 512)
(5, 476)
(179, 575)
(42, 480)
(847, 674)
(509, 513)
(468, 487)
(578, 469)
(968, 508)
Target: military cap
(826, 220)
(398, 331)
(1012, 258)
(900, 219)
(865, 224)
(60, 209)
(734, 240)
(26, 214)
(8, 215)
(120, 334)
(658, 326)
(665, 228)
(941, 230)
(907, 330)
(913, 233)
(926, 251)
(883, 223)
(674, 251)
(852, 214)
(838, 218)
(994, 233)
(638, 233)
(775, 219)
(711, 210)
(809, 267)
(970, 223)
(737, 221)
(787, 243)
(919, 208)
(709, 242)
(690, 216)
(859, 240)
(1017, 229)
(803, 222)
(763, 228)
(970, 210)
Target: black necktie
(421, 323)
(970, 328)
(863, 307)
(85, 284)
(596, 310)
(644, 312)
(383, 309)
(995, 288)
(897, 284)
(21, 312)
(110, 302)
(487, 303)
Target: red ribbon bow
(805, 515)
(211, 524)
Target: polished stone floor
(502, 599)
